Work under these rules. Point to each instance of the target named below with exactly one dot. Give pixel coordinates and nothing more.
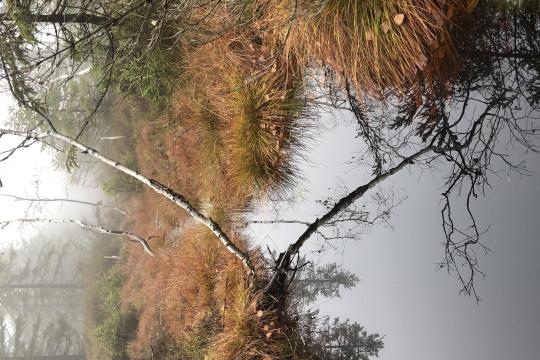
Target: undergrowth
(378, 46)
(235, 117)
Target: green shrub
(195, 346)
(108, 287)
(151, 76)
(119, 326)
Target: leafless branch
(131, 236)
(63, 200)
(156, 186)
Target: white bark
(159, 188)
(131, 236)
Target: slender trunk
(348, 200)
(63, 200)
(63, 18)
(131, 236)
(156, 186)
(279, 221)
(317, 281)
(277, 282)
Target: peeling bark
(156, 186)
(131, 236)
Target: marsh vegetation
(206, 110)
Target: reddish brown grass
(377, 46)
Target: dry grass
(249, 333)
(260, 110)
(263, 137)
(234, 129)
(377, 45)
(183, 294)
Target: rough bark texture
(159, 188)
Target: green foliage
(70, 106)
(150, 76)
(326, 281)
(108, 286)
(113, 335)
(107, 333)
(342, 340)
(195, 347)
(20, 13)
(119, 325)
(143, 64)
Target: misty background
(44, 268)
(401, 294)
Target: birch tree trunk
(156, 186)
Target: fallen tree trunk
(156, 186)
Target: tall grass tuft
(376, 45)
(261, 112)
(263, 136)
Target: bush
(119, 326)
(150, 77)
(143, 59)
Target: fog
(402, 293)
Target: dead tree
(467, 116)
(178, 199)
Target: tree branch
(133, 237)
(343, 203)
(20, 198)
(159, 188)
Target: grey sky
(400, 294)
(19, 175)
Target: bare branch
(314, 227)
(278, 221)
(156, 186)
(62, 200)
(133, 237)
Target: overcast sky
(400, 293)
(19, 175)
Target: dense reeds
(236, 124)
(376, 45)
